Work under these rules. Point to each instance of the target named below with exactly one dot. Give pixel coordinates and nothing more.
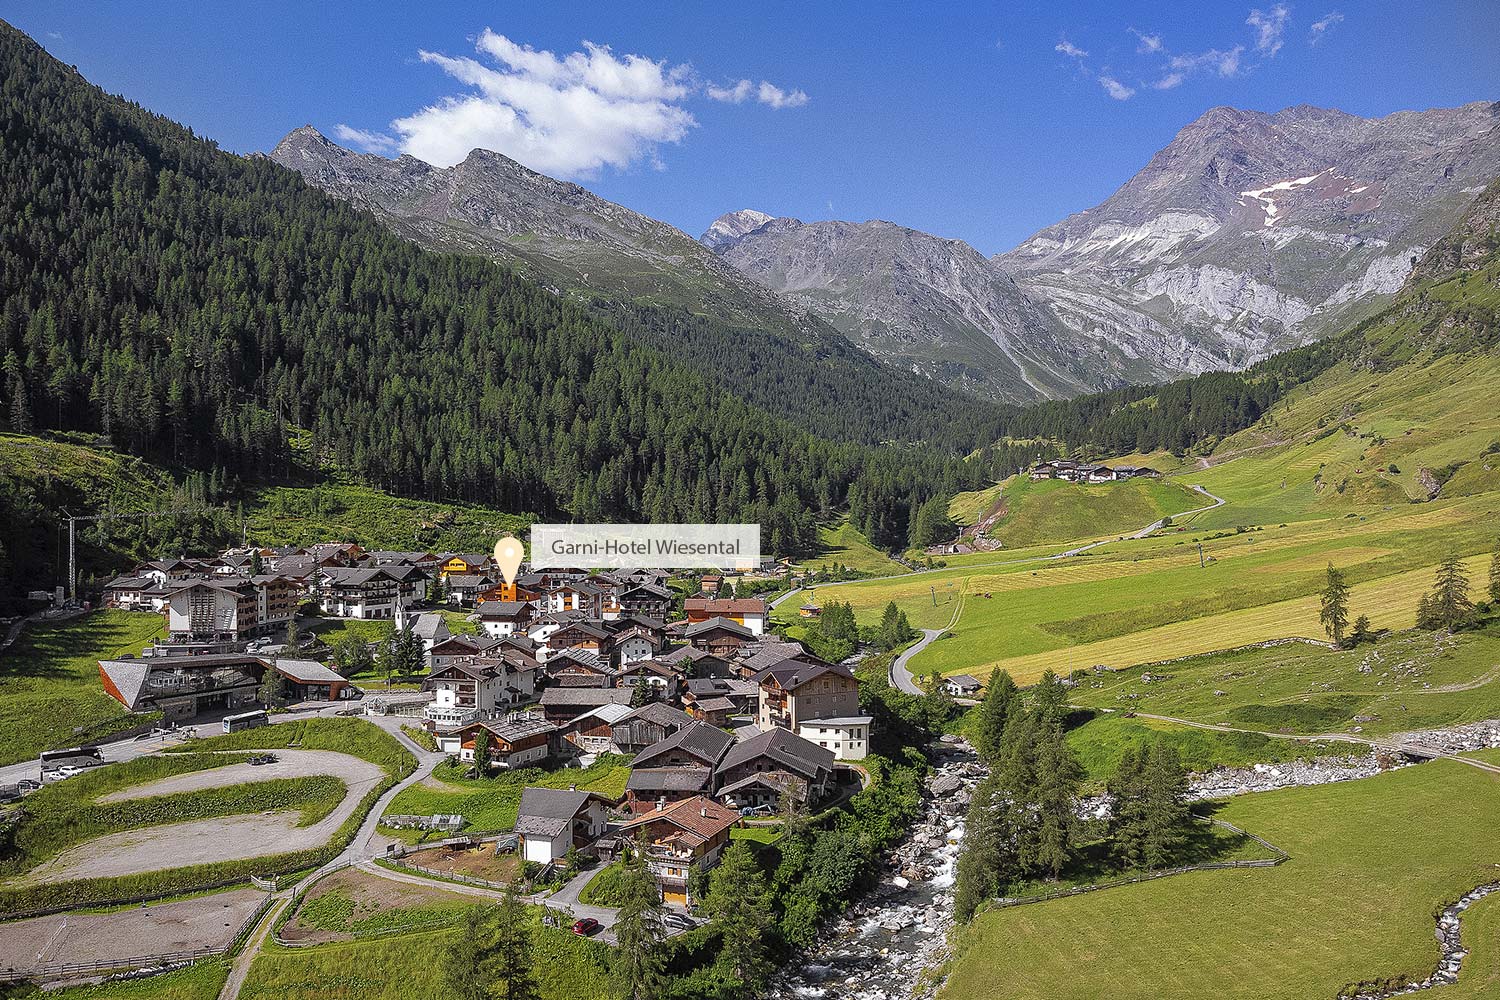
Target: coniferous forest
(202, 309)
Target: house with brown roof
(647, 726)
(519, 740)
(747, 611)
(677, 767)
(718, 636)
(680, 839)
(561, 704)
(579, 668)
(757, 772)
(502, 618)
(818, 701)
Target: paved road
(901, 677)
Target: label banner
(653, 546)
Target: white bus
(245, 720)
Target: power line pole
(73, 536)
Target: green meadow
(1339, 912)
(1405, 681)
(50, 695)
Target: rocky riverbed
(1450, 943)
(1226, 781)
(887, 943)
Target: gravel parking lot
(126, 935)
(223, 838)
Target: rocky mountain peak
(729, 228)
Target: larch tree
(1334, 615)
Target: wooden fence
(57, 971)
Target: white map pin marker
(508, 555)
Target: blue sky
(982, 123)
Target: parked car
(585, 927)
(263, 758)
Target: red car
(586, 926)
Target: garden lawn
(409, 967)
(49, 681)
(1371, 860)
(488, 805)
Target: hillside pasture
(1405, 681)
(50, 694)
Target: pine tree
(482, 752)
(983, 866)
(293, 636)
(257, 566)
(1361, 633)
(1050, 698)
(993, 713)
(508, 966)
(272, 688)
(739, 907)
(1126, 822)
(1164, 810)
(464, 960)
(639, 930)
(1451, 606)
(1058, 775)
(1335, 612)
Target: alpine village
(1126, 621)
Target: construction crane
(73, 536)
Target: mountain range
(1249, 233)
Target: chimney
(661, 803)
(703, 811)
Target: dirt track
(224, 838)
(126, 935)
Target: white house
(551, 820)
(848, 736)
(480, 687)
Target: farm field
(50, 695)
(1406, 681)
(489, 805)
(353, 904)
(1338, 912)
(1143, 600)
(404, 967)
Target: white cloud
(1322, 26)
(1114, 88)
(567, 115)
(370, 142)
(1067, 48)
(1169, 81)
(1270, 28)
(766, 93)
(1149, 43)
(1222, 62)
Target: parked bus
(47, 756)
(245, 720)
